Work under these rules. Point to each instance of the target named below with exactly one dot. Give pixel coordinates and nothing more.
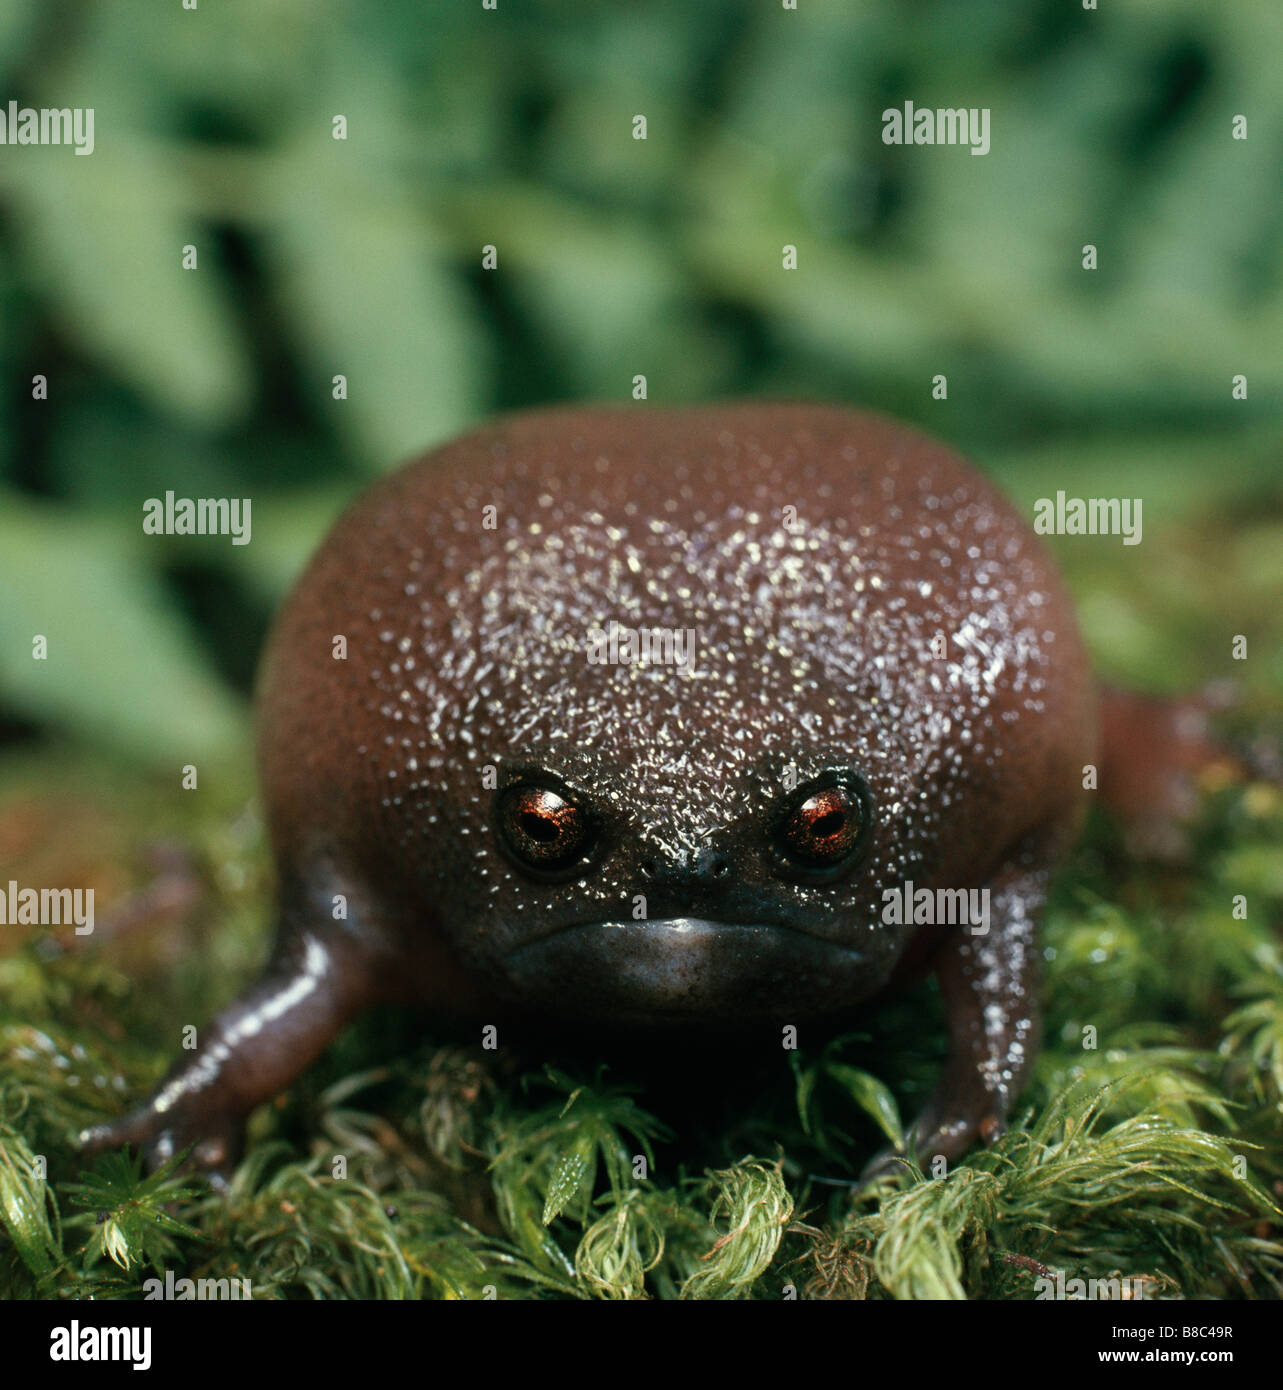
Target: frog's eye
(823, 825)
(543, 829)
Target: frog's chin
(685, 968)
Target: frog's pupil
(824, 829)
(540, 827)
(828, 824)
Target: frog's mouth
(684, 967)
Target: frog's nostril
(711, 864)
(702, 866)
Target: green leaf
(104, 237)
(27, 1205)
(129, 1224)
(121, 667)
(872, 1097)
(567, 1179)
(374, 299)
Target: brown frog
(645, 718)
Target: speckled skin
(466, 650)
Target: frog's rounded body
(652, 635)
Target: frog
(632, 719)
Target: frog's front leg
(989, 983)
(314, 983)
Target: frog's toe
(933, 1136)
(885, 1166)
(214, 1145)
(135, 1129)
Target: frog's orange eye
(543, 829)
(823, 824)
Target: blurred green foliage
(616, 256)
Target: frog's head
(664, 866)
(649, 748)
(707, 837)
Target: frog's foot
(946, 1129)
(248, 1054)
(215, 1141)
(943, 1130)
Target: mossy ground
(1157, 1154)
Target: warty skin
(815, 552)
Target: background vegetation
(618, 257)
